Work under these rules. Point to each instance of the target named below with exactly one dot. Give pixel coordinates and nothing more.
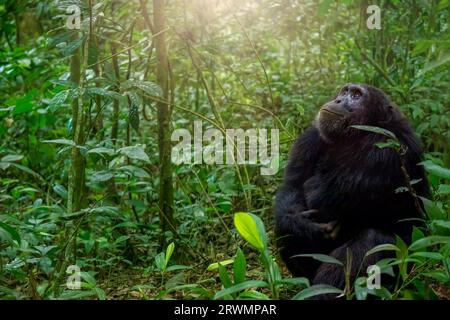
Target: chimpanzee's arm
(296, 233)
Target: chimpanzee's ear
(390, 113)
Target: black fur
(350, 180)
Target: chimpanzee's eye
(356, 94)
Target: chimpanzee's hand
(330, 229)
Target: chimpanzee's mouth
(332, 112)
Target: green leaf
(382, 247)
(253, 295)
(148, 87)
(247, 227)
(24, 104)
(388, 144)
(61, 141)
(135, 152)
(428, 241)
(417, 234)
(378, 130)
(88, 278)
(435, 169)
(442, 223)
(67, 49)
(25, 169)
(60, 190)
(58, 100)
(169, 251)
(160, 261)
(240, 287)
(133, 115)
(178, 267)
(316, 290)
(432, 210)
(239, 267)
(101, 176)
(102, 150)
(215, 265)
(441, 276)
(321, 257)
(428, 255)
(11, 231)
(302, 281)
(224, 277)
(443, 59)
(135, 171)
(12, 158)
(104, 93)
(100, 293)
(443, 189)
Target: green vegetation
(86, 114)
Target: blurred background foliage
(241, 64)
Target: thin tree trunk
(164, 118)
(76, 175)
(116, 104)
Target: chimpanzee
(342, 191)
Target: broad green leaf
(321, 257)
(224, 277)
(135, 171)
(60, 190)
(88, 278)
(11, 231)
(169, 251)
(101, 176)
(58, 100)
(435, 169)
(102, 150)
(417, 234)
(239, 287)
(135, 152)
(428, 241)
(442, 223)
(317, 290)
(432, 210)
(441, 276)
(160, 261)
(104, 93)
(247, 227)
(148, 87)
(428, 255)
(239, 267)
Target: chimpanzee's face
(336, 115)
